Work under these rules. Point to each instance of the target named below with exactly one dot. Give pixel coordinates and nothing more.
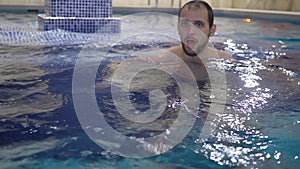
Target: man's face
(194, 30)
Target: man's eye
(184, 23)
(199, 24)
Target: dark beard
(186, 52)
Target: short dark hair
(196, 4)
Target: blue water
(39, 128)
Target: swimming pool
(259, 127)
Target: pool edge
(228, 12)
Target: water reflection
(258, 129)
(28, 102)
(25, 91)
(32, 98)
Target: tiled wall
(87, 16)
(281, 5)
(86, 25)
(78, 8)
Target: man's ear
(213, 30)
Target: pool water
(259, 127)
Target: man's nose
(191, 29)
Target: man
(195, 26)
(185, 63)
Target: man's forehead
(195, 7)
(195, 13)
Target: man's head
(195, 26)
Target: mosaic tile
(86, 16)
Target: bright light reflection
(247, 20)
(235, 143)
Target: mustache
(190, 38)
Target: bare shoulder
(177, 50)
(224, 55)
(211, 52)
